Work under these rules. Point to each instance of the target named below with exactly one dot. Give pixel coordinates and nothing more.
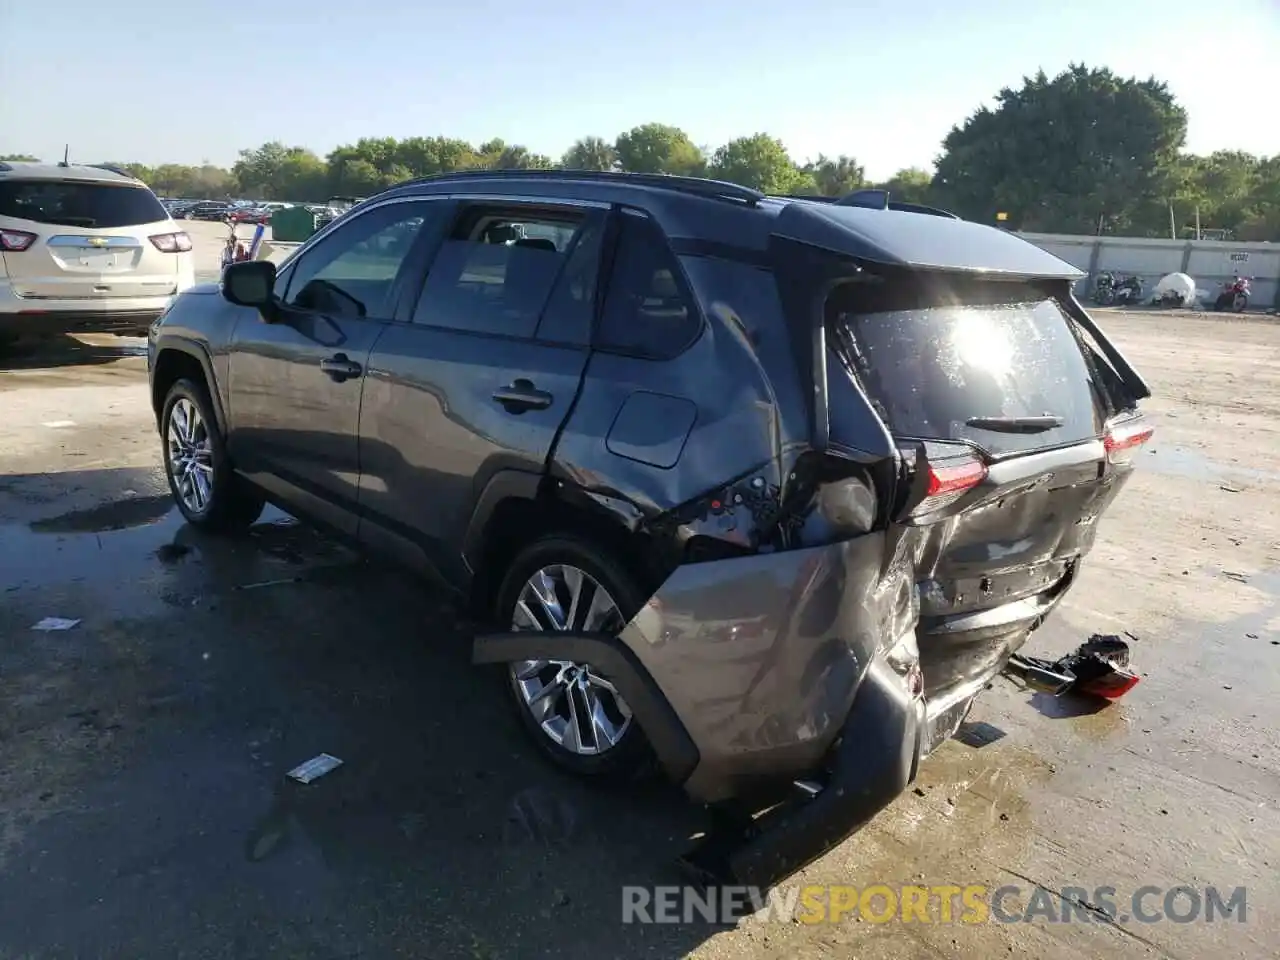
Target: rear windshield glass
(996, 364)
(79, 204)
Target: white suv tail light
(12, 241)
(172, 242)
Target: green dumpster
(293, 225)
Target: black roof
(866, 225)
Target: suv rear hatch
(1014, 435)
(82, 239)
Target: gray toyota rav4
(759, 490)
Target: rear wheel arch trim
(196, 352)
(502, 486)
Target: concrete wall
(1208, 262)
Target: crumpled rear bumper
(750, 674)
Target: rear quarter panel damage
(761, 656)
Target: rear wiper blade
(1015, 424)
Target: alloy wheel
(190, 456)
(579, 710)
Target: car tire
(629, 757)
(204, 486)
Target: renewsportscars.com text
(935, 904)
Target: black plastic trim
(503, 485)
(197, 352)
(670, 740)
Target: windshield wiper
(1015, 424)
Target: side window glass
(496, 272)
(648, 311)
(568, 314)
(352, 272)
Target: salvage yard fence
(1210, 263)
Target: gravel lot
(144, 810)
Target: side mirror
(249, 284)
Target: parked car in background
(85, 249)
(250, 215)
(208, 210)
(765, 489)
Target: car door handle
(339, 367)
(521, 395)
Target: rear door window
(648, 309)
(80, 203)
(996, 364)
(495, 272)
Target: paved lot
(144, 810)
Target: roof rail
(881, 200)
(112, 168)
(817, 198)
(716, 189)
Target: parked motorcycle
(1128, 291)
(1234, 295)
(1104, 291)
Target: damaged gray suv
(761, 490)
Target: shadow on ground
(43, 353)
(144, 808)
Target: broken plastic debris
(55, 623)
(315, 768)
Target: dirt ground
(144, 810)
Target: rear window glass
(936, 363)
(79, 204)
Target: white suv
(85, 249)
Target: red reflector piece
(1111, 686)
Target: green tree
(836, 176)
(352, 177)
(516, 157)
(590, 153)
(426, 156)
(276, 172)
(659, 148)
(1060, 154)
(910, 184)
(761, 162)
(20, 157)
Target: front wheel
(204, 486)
(572, 711)
(1240, 302)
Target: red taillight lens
(172, 242)
(12, 241)
(949, 480)
(1122, 440)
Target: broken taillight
(1123, 439)
(948, 480)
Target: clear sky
(192, 80)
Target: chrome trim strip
(92, 243)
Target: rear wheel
(201, 479)
(572, 711)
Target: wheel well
(517, 522)
(172, 366)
